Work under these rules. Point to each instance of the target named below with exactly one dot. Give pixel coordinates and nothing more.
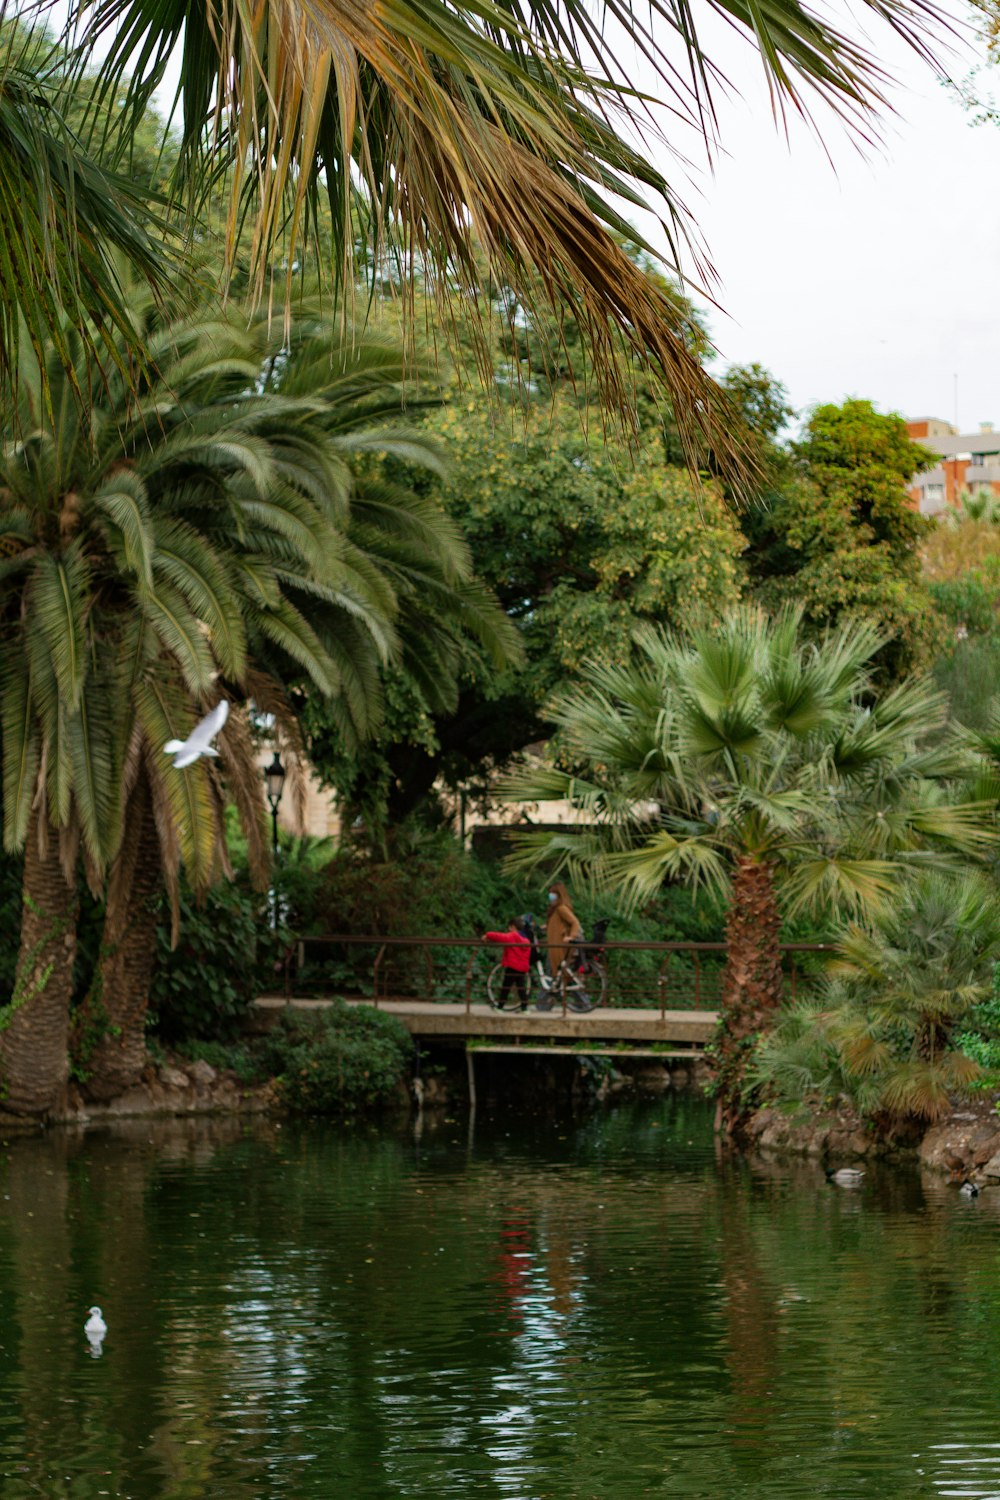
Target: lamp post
(274, 781)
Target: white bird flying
(199, 741)
(95, 1327)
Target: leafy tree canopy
(581, 540)
(838, 534)
(961, 560)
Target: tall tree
(838, 533)
(173, 546)
(746, 758)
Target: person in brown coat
(562, 926)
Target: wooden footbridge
(661, 998)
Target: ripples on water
(548, 1309)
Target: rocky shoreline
(964, 1145)
(170, 1089)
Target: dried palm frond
(446, 133)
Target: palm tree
(118, 617)
(885, 1027)
(480, 145)
(749, 759)
(398, 563)
(72, 227)
(183, 541)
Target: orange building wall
(955, 469)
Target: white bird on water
(95, 1327)
(199, 741)
(848, 1177)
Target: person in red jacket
(516, 960)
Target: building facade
(968, 461)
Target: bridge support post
(470, 1064)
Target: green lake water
(546, 1306)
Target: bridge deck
(691, 1028)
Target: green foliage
(71, 219)
(981, 1040)
(962, 673)
(962, 565)
(839, 535)
(760, 399)
(968, 603)
(234, 1057)
(902, 997)
(581, 539)
(747, 741)
(429, 884)
(204, 988)
(338, 1060)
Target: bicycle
(580, 983)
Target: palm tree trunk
(34, 1026)
(751, 984)
(110, 1037)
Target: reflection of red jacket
(517, 950)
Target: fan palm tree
(884, 1028)
(480, 145)
(747, 758)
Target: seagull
(848, 1177)
(95, 1327)
(198, 742)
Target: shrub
(205, 987)
(338, 1060)
(889, 1025)
(232, 1057)
(981, 1040)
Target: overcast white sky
(876, 277)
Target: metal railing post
(661, 985)
(468, 980)
(376, 973)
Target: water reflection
(614, 1313)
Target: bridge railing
(642, 975)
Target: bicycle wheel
(585, 989)
(494, 985)
(547, 990)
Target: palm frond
(59, 602)
(21, 751)
(68, 228)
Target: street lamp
(274, 782)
